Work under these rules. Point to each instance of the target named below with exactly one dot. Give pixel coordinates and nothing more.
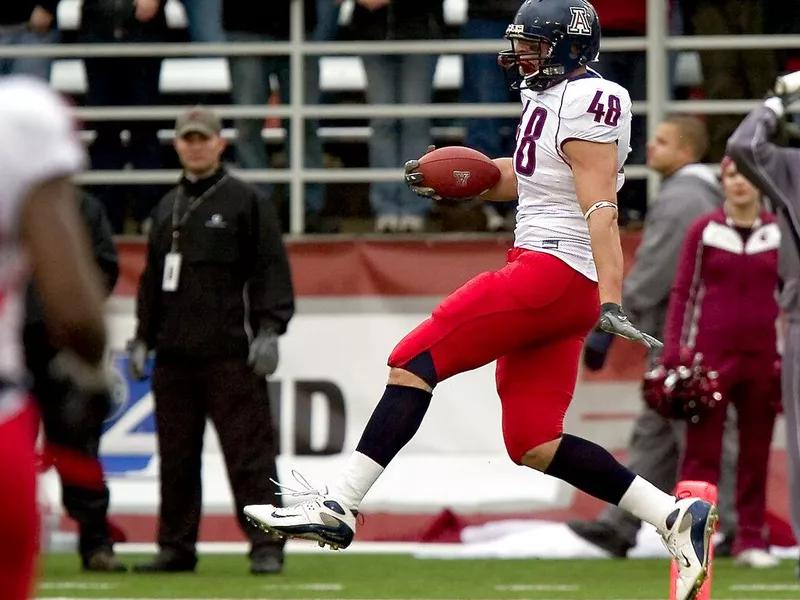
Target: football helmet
(559, 36)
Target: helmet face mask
(526, 59)
(569, 30)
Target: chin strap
(598, 206)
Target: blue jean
(205, 20)
(484, 81)
(398, 80)
(132, 81)
(250, 77)
(29, 65)
(326, 29)
(327, 25)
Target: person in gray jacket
(773, 170)
(689, 190)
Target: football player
(41, 231)
(532, 315)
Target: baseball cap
(200, 120)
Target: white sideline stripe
(534, 587)
(765, 587)
(75, 585)
(308, 587)
(292, 547)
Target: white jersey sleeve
(39, 143)
(596, 110)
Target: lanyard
(179, 222)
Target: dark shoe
(602, 536)
(318, 224)
(104, 561)
(167, 563)
(724, 548)
(266, 564)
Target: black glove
(596, 349)
(614, 320)
(414, 179)
(86, 393)
(137, 358)
(264, 353)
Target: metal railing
(655, 44)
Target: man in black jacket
(216, 273)
(88, 505)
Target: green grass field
(384, 577)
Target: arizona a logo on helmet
(580, 23)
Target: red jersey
(724, 297)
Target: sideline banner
(357, 298)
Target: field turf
(385, 577)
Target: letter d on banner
(707, 492)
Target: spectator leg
(239, 408)
(484, 81)
(756, 423)
(314, 192)
(144, 146)
(205, 20)
(34, 65)
(250, 85)
(791, 414)
(382, 88)
(416, 87)
(180, 422)
(105, 85)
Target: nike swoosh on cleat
(686, 562)
(277, 515)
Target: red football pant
(750, 382)
(19, 521)
(532, 317)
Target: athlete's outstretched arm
(594, 168)
(506, 189)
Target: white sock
(358, 476)
(648, 503)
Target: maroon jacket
(724, 297)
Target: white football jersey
(38, 142)
(549, 218)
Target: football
(458, 172)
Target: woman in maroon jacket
(723, 305)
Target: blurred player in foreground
(42, 233)
(533, 314)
